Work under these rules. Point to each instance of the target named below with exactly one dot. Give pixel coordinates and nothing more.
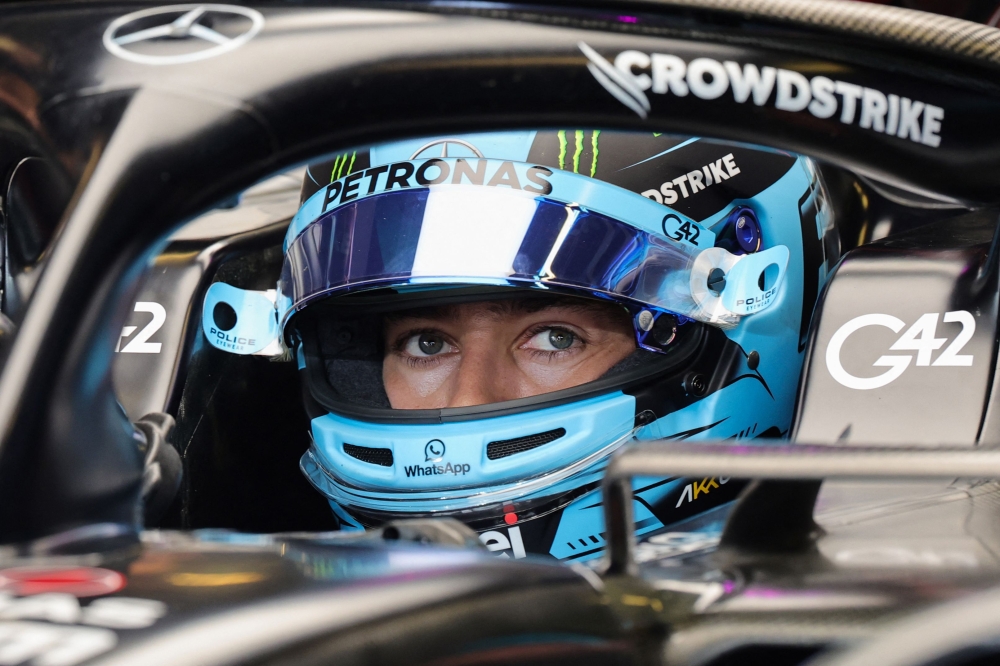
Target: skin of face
(491, 351)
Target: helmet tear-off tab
(726, 287)
(240, 321)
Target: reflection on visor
(474, 235)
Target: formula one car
(475, 333)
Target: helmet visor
(469, 235)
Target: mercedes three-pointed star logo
(444, 143)
(191, 24)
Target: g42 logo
(674, 227)
(920, 337)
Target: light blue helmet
(715, 251)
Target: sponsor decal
(505, 545)
(42, 620)
(40, 643)
(695, 181)
(111, 612)
(434, 451)
(579, 139)
(341, 167)
(437, 171)
(920, 337)
(681, 231)
(455, 469)
(634, 73)
(755, 303)
(225, 341)
(140, 344)
(695, 489)
(443, 143)
(187, 32)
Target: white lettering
(696, 72)
(627, 60)
(824, 104)
(688, 493)
(139, 344)
(873, 109)
(920, 337)
(654, 195)
(909, 119)
(897, 363)
(793, 91)
(750, 79)
(679, 182)
(851, 94)
(123, 612)
(50, 645)
(933, 115)
(668, 71)
(54, 607)
(717, 171)
(669, 195)
(516, 543)
(495, 541)
(694, 180)
(893, 121)
(730, 163)
(708, 78)
(950, 356)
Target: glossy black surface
(229, 598)
(938, 268)
(149, 148)
(206, 130)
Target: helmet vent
(508, 447)
(369, 455)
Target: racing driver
(481, 320)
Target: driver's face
(491, 351)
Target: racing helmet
(713, 252)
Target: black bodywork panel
(146, 149)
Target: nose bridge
(480, 379)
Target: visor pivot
(655, 330)
(741, 232)
(716, 281)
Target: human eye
(552, 340)
(426, 344)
